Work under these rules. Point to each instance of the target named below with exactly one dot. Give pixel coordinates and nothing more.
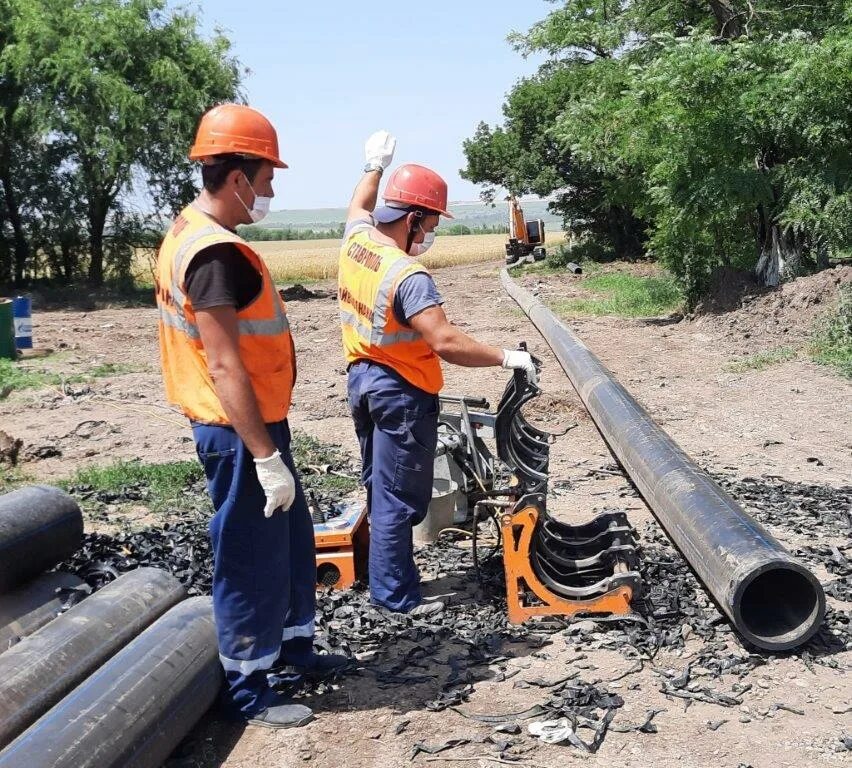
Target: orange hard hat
(415, 185)
(236, 129)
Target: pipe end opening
(781, 607)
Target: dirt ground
(792, 420)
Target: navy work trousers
(397, 428)
(264, 569)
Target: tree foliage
(712, 132)
(100, 99)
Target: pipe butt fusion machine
(552, 568)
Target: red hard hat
(415, 185)
(236, 129)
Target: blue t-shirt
(414, 294)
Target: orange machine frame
(517, 529)
(342, 551)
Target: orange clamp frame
(517, 528)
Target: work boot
(419, 611)
(282, 716)
(425, 610)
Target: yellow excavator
(526, 238)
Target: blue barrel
(22, 309)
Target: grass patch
(112, 369)
(12, 478)
(555, 266)
(761, 360)
(159, 487)
(624, 295)
(323, 468)
(18, 375)
(181, 486)
(831, 343)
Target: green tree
(743, 146)
(114, 89)
(724, 127)
(524, 155)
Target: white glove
(379, 149)
(277, 483)
(517, 358)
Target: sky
(330, 72)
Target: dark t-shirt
(221, 276)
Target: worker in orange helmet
(229, 364)
(395, 335)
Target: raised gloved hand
(379, 149)
(277, 483)
(517, 358)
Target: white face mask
(418, 249)
(261, 205)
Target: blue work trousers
(397, 428)
(264, 569)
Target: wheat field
(291, 261)
(294, 260)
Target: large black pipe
(30, 607)
(40, 526)
(42, 668)
(771, 598)
(136, 708)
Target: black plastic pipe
(40, 526)
(30, 607)
(771, 598)
(138, 706)
(42, 668)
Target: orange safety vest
(368, 276)
(264, 333)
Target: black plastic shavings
(510, 728)
(646, 726)
(447, 653)
(707, 695)
(401, 726)
(499, 743)
(449, 698)
(786, 708)
(434, 749)
(70, 596)
(535, 711)
(637, 667)
(181, 547)
(542, 683)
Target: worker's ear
(412, 220)
(238, 178)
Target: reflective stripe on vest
(384, 339)
(245, 327)
(376, 335)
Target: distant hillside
(473, 215)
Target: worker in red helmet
(229, 364)
(395, 335)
